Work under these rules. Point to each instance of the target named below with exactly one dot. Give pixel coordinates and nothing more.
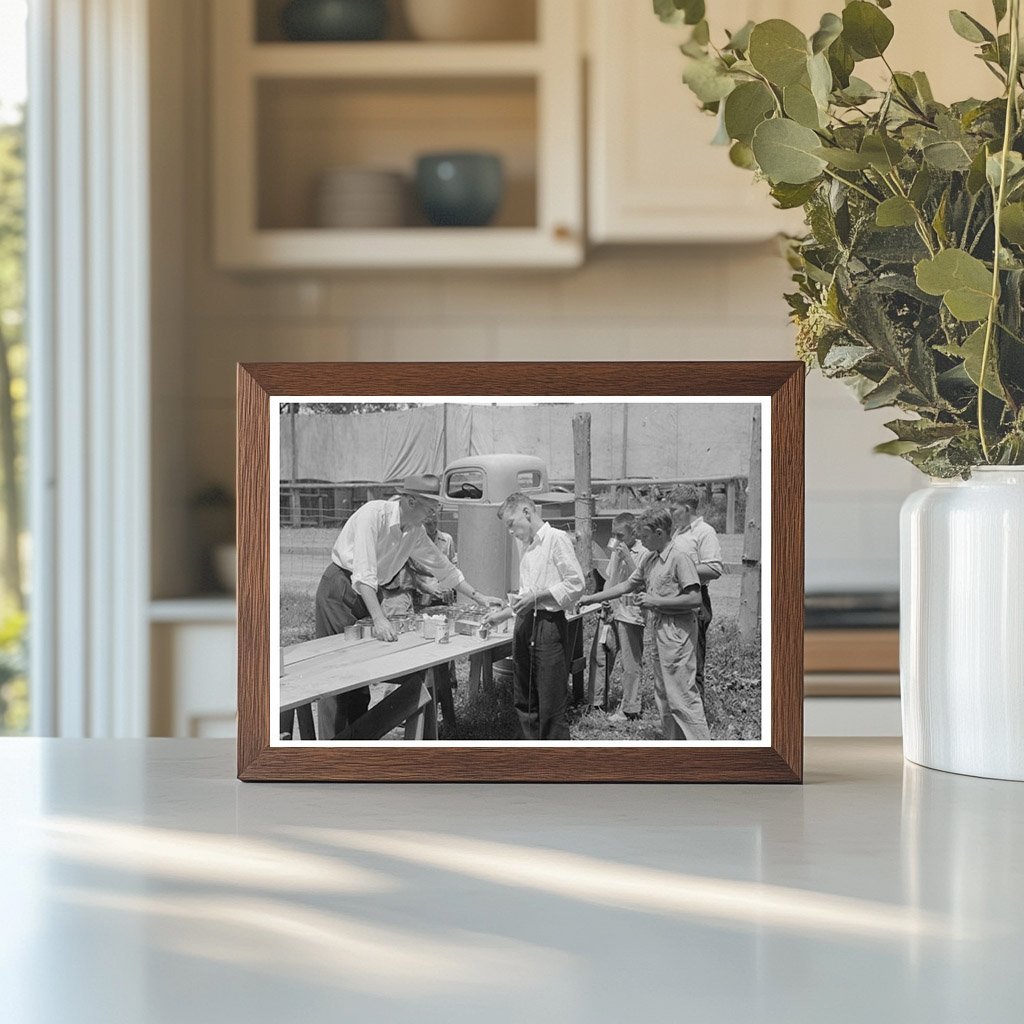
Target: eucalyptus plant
(910, 278)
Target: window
(14, 715)
(465, 483)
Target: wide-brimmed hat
(427, 486)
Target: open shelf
(287, 113)
(393, 60)
(308, 127)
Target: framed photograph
(518, 572)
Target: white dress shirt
(549, 562)
(373, 547)
(700, 542)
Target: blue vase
(332, 21)
(460, 189)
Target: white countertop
(143, 884)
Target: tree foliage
(910, 277)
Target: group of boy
(661, 564)
(664, 557)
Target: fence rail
(327, 503)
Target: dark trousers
(704, 617)
(540, 684)
(338, 605)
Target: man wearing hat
(373, 546)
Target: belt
(544, 613)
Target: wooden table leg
(476, 662)
(443, 683)
(304, 716)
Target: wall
(708, 302)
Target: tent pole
(625, 441)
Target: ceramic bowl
(334, 20)
(460, 189)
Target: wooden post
(620, 492)
(584, 500)
(750, 587)
(730, 507)
(294, 498)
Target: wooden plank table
(332, 665)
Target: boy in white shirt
(700, 541)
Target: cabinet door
(654, 175)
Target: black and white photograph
(506, 571)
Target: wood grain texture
(852, 650)
(783, 382)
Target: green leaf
(785, 152)
(800, 105)
(895, 447)
(923, 431)
(778, 50)
(971, 352)
(866, 29)
(963, 281)
(968, 28)
(1014, 169)
(745, 108)
(789, 197)
(924, 88)
(721, 136)
(1011, 225)
(844, 159)
(739, 41)
(976, 174)
(921, 185)
(946, 156)
(742, 155)
(939, 220)
(841, 60)
(820, 75)
(858, 91)
(883, 153)
(895, 213)
(676, 12)
(885, 394)
(829, 30)
(707, 80)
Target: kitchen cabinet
(653, 175)
(286, 113)
(192, 654)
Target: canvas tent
(660, 441)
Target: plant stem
(922, 225)
(850, 184)
(993, 308)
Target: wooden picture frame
(778, 758)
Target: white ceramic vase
(962, 624)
